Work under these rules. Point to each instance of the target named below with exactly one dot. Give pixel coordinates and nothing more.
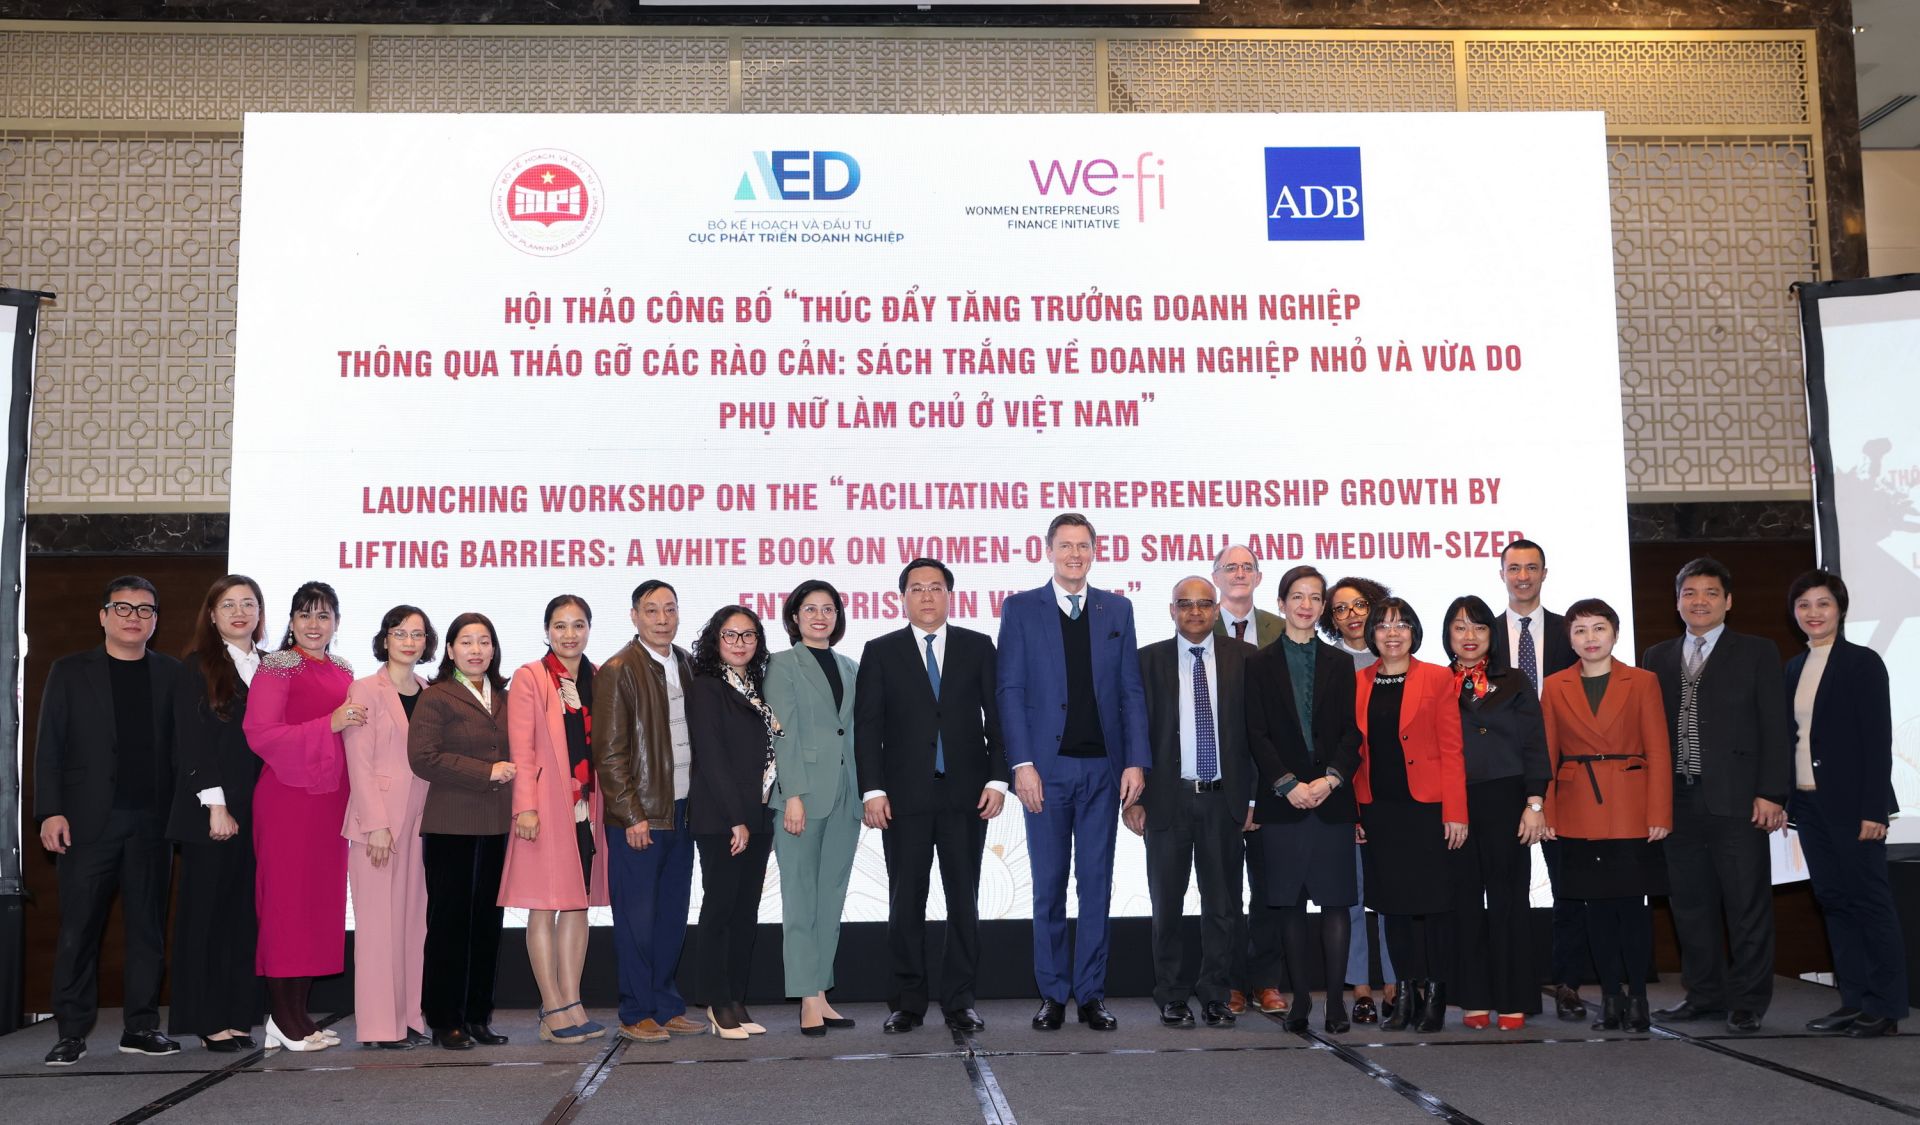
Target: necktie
(1074, 613)
(1686, 759)
(1696, 656)
(1529, 660)
(1206, 756)
(933, 678)
(1240, 630)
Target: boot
(1405, 1002)
(1433, 1008)
(1613, 1008)
(1636, 1018)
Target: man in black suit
(1733, 773)
(932, 771)
(1533, 640)
(1196, 806)
(102, 786)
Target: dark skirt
(1611, 869)
(1406, 858)
(1310, 857)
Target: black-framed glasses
(739, 636)
(131, 609)
(1348, 609)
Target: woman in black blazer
(1843, 798)
(216, 994)
(732, 730)
(1504, 742)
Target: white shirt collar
(246, 663)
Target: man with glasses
(933, 772)
(102, 786)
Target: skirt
(1611, 869)
(1310, 858)
(1406, 858)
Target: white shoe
(278, 1040)
(331, 1036)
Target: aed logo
(796, 174)
(1100, 177)
(1314, 195)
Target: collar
(920, 635)
(241, 657)
(1538, 617)
(1711, 636)
(1061, 593)
(1187, 646)
(663, 661)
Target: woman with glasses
(734, 733)
(296, 712)
(810, 691)
(557, 859)
(216, 993)
(384, 867)
(1343, 622)
(1412, 789)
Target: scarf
(576, 714)
(768, 719)
(1471, 683)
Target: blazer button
(1483, 730)
(1063, 707)
(841, 732)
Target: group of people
(1309, 748)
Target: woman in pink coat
(382, 828)
(296, 710)
(557, 858)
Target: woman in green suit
(810, 689)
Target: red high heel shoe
(1477, 1021)
(1513, 1022)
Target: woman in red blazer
(1610, 804)
(1412, 789)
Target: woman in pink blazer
(382, 828)
(557, 857)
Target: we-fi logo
(1102, 177)
(1313, 195)
(795, 174)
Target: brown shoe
(681, 1025)
(1270, 1001)
(646, 1031)
(1237, 1002)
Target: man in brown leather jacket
(641, 756)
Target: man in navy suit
(1075, 721)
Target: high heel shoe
(1404, 1003)
(278, 1040)
(1297, 1013)
(574, 1033)
(1637, 1018)
(714, 1027)
(747, 1023)
(1613, 1009)
(1433, 1008)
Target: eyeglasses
(404, 635)
(920, 588)
(1238, 568)
(131, 609)
(739, 636)
(1393, 627)
(1350, 609)
(248, 606)
(1185, 604)
(819, 611)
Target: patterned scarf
(768, 719)
(1471, 683)
(578, 718)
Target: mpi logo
(796, 174)
(1313, 195)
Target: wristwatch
(1535, 806)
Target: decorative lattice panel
(545, 74)
(1708, 236)
(1275, 75)
(133, 394)
(1646, 82)
(166, 77)
(861, 75)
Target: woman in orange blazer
(1412, 789)
(384, 871)
(1610, 804)
(557, 857)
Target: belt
(1593, 779)
(1213, 786)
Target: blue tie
(1529, 660)
(1074, 613)
(1206, 757)
(933, 677)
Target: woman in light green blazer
(815, 793)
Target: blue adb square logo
(1313, 195)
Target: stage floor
(1254, 1072)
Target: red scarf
(1476, 677)
(583, 767)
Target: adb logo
(1313, 195)
(794, 174)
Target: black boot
(1613, 1009)
(1433, 1008)
(1636, 1018)
(1405, 1001)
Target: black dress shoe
(1743, 1021)
(1613, 1009)
(1684, 1012)
(247, 1044)
(1051, 1015)
(454, 1039)
(1636, 1018)
(418, 1038)
(965, 1019)
(901, 1022)
(1217, 1013)
(393, 1044)
(484, 1035)
(1567, 1004)
(1336, 1021)
(1404, 1003)
(228, 1046)
(147, 1042)
(1433, 1008)
(1364, 1010)
(1872, 1027)
(1297, 1013)
(1838, 1020)
(1176, 1015)
(1094, 1014)
(841, 1022)
(67, 1052)
(817, 1031)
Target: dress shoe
(838, 1023)
(1477, 1021)
(965, 1019)
(730, 1030)
(418, 1038)
(1839, 1019)
(1296, 1017)
(1176, 1015)
(278, 1040)
(1403, 1006)
(1237, 1000)
(147, 1042)
(390, 1044)
(487, 1037)
(1567, 1004)
(1872, 1027)
(817, 1031)
(1684, 1012)
(747, 1022)
(1433, 1008)
(247, 1044)
(1613, 1009)
(329, 1034)
(650, 1031)
(900, 1022)
(1743, 1021)
(1217, 1014)
(1270, 1001)
(1512, 1021)
(453, 1039)
(1336, 1021)
(1051, 1015)
(681, 1025)
(228, 1046)
(1094, 1014)
(67, 1052)
(1364, 1010)
(1636, 1018)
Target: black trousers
(133, 859)
(1258, 961)
(730, 887)
(1850, 883)
(1421, 945)
(1206, 842)
(1572, 959)
(1621, 932)
(463, 927)
(1490, 876)
(912, 842)
(214, 931)
(1718, 867)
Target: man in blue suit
(1074, 716)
